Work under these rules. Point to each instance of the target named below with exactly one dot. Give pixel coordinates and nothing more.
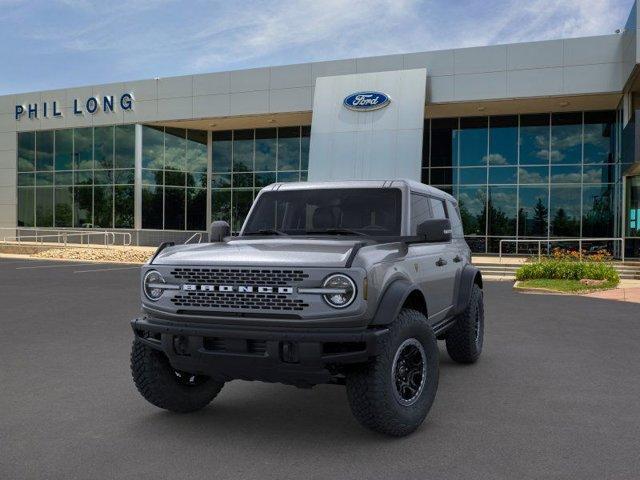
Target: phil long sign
(91, 105)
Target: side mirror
(219, 229)
(435, 230)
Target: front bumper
(285, 355)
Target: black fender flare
(392, 300)
(470, 275)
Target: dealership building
(537, 141)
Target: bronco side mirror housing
(219, 229)
(435, 230)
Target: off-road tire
(464, 345)
(370, 387)
(157, 382)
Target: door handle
(441, 262)
(457, 259)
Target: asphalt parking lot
(555, 395)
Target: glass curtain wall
(244, 161)
(174, 178)
(527, 176)
(81, 177)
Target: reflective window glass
(599, 173)
(44, 207)
(26, 207)
(196, 209)
(534, 139)
(566, 174)
(63, 150)
(175, 150)
(472, 205)
(103, 147)
(242, 200)
(103, 207)
(123, 202)
(443, 142)
(83, 148)
(221, 148)
(503, 175)
(566, 138)
(503, 140)
(502, 210)
(472, 176)
(174, 208)
(152, 207)
(599, 140)
(221, 205)
(473, 141)
(533, 211)
(83, 206)
(26, 151)
(125, 146)
(597, 211)
(289, 148)
(533, 175)
(304, 147)
(197, 151)
(243, 150)
(44, 150)
(564, 211)
(152, 147)
(266, 145)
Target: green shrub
(567, 270)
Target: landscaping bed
(110, 255)
(566, 272)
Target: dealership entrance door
(632, 216)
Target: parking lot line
(55, 266)
(106, 269)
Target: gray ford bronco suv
(348, 283)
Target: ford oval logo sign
(366, 101)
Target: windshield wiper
(337, 231)
(267, 231)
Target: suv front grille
(234, 300)
(239, 276)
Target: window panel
(197, 151)
(174, 204)
(196, 209)
(152, 207)
(599, 173)
(44, 179)
(597, 211)
(242, 180)
(123, 206)
(533, 211)
(103, 147)
(176, 179)
(44, 150)
(533, 175)
(242, 200)
(599, 140)
(125, 146)
(63, 207)
(503, 175)
(26, 151)
(571, 174)
(44, 207)
(443, 142)
(472, 176)
(566, 138)
(534, 139)
(472, 205)
(103, 177)
(197, 179)
(288, 148)
(82, 148)
(103, 207)
(564, 211)
(473, 141)
(152, 147)
(126, 176)
(288, 177)
(26, 179)
(221, 205)
(152, 177)
(304, 147)
(63, 150)
(26, 207)
(83, 206)
(221, 147)
(220, 181)
(243, 150)
(501, 208)
(175, 149)
(266, 145)
(442, 176)
(503, 140)
(264, 179)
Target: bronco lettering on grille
(237, 288)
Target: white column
(138, 180)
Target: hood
(261, 252)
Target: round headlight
(344, 290)
(151, 285)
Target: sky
(48, 44)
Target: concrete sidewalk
(627, 291)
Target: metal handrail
(197, 234)
(548, 241)
(109, 238)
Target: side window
(437, 206)
(420, 211)
(456, 222)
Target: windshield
(336, 211)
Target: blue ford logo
(366, 101)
